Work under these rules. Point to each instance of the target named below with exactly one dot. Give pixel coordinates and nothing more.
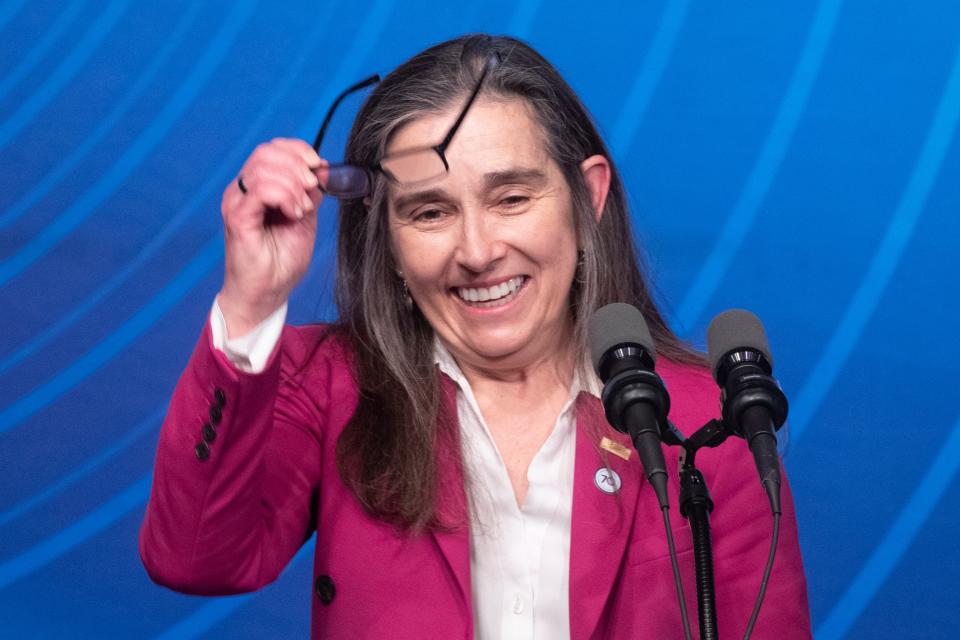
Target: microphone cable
(766, 576)
(675, 564)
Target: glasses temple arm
(492, 62)
(326, 120)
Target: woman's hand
(269, 231)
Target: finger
(323, 174)
(283, 174)
(275, 195)
(251, 211)
(301, 148)
(279, 154)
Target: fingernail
(312, 180)
(299, 212)
(307, 203)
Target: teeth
(496, 294)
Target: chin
(496, 345)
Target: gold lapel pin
(615, 448)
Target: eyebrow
(418, 197)
(518, 175)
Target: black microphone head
(732, 330)
(617, 323)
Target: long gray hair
(389, 451)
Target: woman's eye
(514, 200)
(428, 215)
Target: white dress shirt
(519, 556)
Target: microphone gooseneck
(754, 406)
(636, 403)
(634, 397)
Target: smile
(495, 296)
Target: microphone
(754, 406)
(634, 397)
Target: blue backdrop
(800, 159)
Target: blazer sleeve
(226, 517)
(742, 526)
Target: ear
(596, 174)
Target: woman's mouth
(495, 296)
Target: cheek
(553, 244)
(421, 257)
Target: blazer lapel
(454, 540)
(601, 522)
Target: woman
(445, 439)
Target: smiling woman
(444, 437)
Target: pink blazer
(229, 523)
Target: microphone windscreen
(735, 329)
(614, 324)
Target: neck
(523, 375)
(549, 369)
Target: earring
(407, 300)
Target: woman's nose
(479, 246)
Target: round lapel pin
(607, 480)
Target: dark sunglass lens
(347, 182)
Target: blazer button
(215, 414)
(220, 397)
(325, 589)
(209, 433)
(202, 451)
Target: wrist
(242, 318)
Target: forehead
(496, 134)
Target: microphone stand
(696, 506)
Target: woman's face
(488, 251)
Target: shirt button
(517, 605)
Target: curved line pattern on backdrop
(59, 543)
(884, 558)
(765, 169)
(137, 152)
(146, 252)
(80, 369)
(880, 564)
(107, 123)
(9, 10)
(118, 446)
(71, 375)
(65, 72)
(646, 81)
(55, 545)
(232, 158)
(522, 19)
(884, 262)
(40, 47)
(105, 350)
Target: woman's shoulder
(319, 346)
